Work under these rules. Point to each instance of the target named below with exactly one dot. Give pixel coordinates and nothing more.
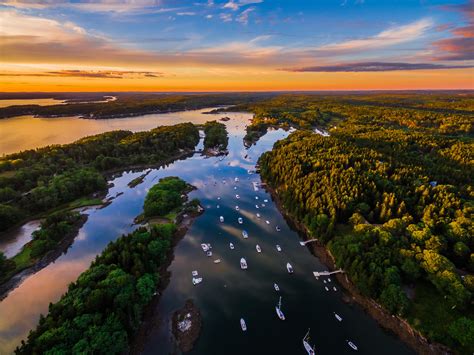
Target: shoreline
(44, 261)
(391, 323)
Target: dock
(327, 273)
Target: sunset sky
(234, 45)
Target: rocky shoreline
(394, 324)
(186, 326)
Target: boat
(338, 317)
(218, 206)
(237, 208)
(267, 221)
(326, 288)
(235, 187)
(258, 215)
(221, 218)
(324, 281)
(275, 286)
(289, 268)
(277, 228)
(243, 264)
(352, 345)
(209, 253)
(256, 197)
(236, 179)
(278, 247)
(217, 261)
(256, 206)
(265, 200)
(205, 247)
(243, 325)
(259, 250)
(263, 205)
(218, 198)
(194, 273)
(279, 311)
(197, 280)
(245, 234)
(307, 346)
(237, 196)
(240, 220)
(334, 288)
(329, 279)
(231, 246)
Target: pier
(327, 273)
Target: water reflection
(13, 241)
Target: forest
(390, 193)
(215, 136)
(104, 308)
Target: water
(13, 241)
(227, 293)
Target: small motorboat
(221, 218)
(278, 247)
(209, 253)
(236, 179)
(259, 250)
(265, 200)
(279, 311)
(258, 215)
(235, 187)
(240, 220)
(197, 280)
(277, 228)
(243, 264)
(324, 281)
(218, 198)
(289, 268)
(267, 221)
(218, 206)
(194, 273)
(231, 246)
(326, 288)
(237, 196)
(256, 206)
(256, 197)
(205, 247)
(237, 208)
(276, 287)
(352, 345)
(243, 325)
(263, 205)
(338, 317)
(329, 279)
(245, 234)
(217, 261)
(307, 346)
(334, 288)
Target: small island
(216, 139)
(186, 326)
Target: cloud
(389, 37)
(244, 16)
(225, 17)
(186, 13)
(376, 67)
(108, 74)
(236, 5)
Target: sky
(236, 45)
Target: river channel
(226, 293)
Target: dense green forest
(35, 181)
(133, 104)
(390, 193)
(104, 308)
(215, 136)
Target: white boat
(307, 346)
(265, 200)
(209, 253)
(243, 264)
(236, 179)
(259, 250)
(243, 325)
(256, 197)
(240, 220)
(205, 247)
(324, 281)
(194, 273)
(275, 286)
(289, 268)
(217, 261)
(263, 205)
(329, 279)
(256, 206)
(338, 317)
(326, 288)
(231, 246)
(221, 218)
(277, 228)
(218, 206)
(258, 215)
(237, 208)
(352, 345)
(235, 187)
(218, 198)
(334, 288)
(245, 234)
(279, 311)
(237, 196)
(267, 221)
(278, 247)
(197, 280)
